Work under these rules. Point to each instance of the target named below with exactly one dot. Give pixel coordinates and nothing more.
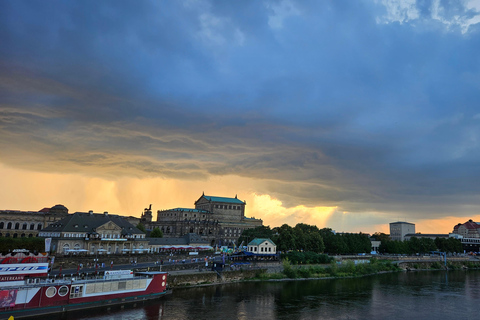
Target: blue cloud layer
(367, 105)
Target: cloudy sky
(342, 114)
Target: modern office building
(399, 229)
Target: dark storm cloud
(370, 106)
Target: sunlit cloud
(343, 115)
(275, 214)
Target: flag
(48, 241)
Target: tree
(156, 233)
(380, 236)
(314, 242)
(141, 227)
(31, 244)
(258, 232)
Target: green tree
(141, 227)
(380, 236)
(258, 232)
(286, 238)
(156, 233)
(30, 244)
(314, 242)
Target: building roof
(470, 224)
(188, 210)
(259, 241)
(88, 222)
(427, 235)
(221, 199)
(402, 222)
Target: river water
(405, 295)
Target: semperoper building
(218, 220)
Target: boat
(27, 290)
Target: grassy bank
(347, 269)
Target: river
(405, 295)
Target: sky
(342, 114)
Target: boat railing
(78, 279)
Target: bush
(288, 270)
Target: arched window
(30, 235)
(9, 225)
(66, 247)
(2, 225)
(32, 226)
(17, 226)
(39, 226)
(7, 235)
(15, 235)
(23, 235)
(24, 226)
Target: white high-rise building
(399, 229)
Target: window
(17, 226)
(32, 226)
(1, 225)
(9, 225)
(39, 226)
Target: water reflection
(418, 295)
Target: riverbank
(347, 269)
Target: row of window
(254, 249)
(224, 206)
(16, 226)
(15, 235)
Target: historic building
(469, 229)
(262, 246)
(21, 224)
(218, 220)
(398, 230)
(95, 233)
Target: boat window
(51, 291)
(63, 291)
(76, 291)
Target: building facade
(95, 234)
(218, 220)
(409, 236)
(262, 246)
(469, 229)
(399, 229)
(27, 224)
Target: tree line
(417, 245)
(310, 238)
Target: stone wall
(210, 277)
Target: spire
(235, 196)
